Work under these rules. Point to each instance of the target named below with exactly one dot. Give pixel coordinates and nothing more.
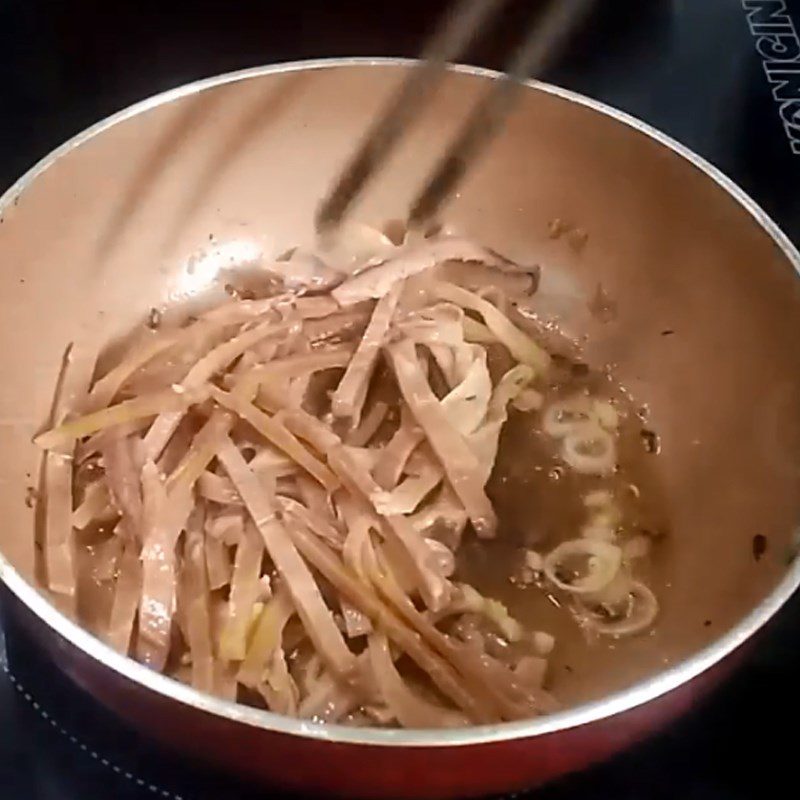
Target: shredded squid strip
(348, 399)
(519, 344)
(411, 710)
(164, 518)
(126, 411)
(59, 539)
(163, 427)
(441, 673)
(277, 435)
(461, 466)
(198, 610)
(315, 615)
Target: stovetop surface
(693, 68)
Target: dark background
(687, 66)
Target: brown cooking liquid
(539, 503)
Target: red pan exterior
(310, 766)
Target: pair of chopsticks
(456, 34)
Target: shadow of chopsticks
(194, 112)
(257, 119)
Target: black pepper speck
(651, 442)
(31, 496)
(759, 546)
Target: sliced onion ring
(590, 437)
(606, 560)
(561, 418)
(642, 614)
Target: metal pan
(152, 206)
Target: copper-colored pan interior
(154, 209)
